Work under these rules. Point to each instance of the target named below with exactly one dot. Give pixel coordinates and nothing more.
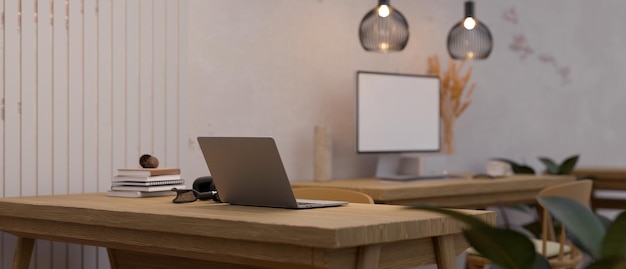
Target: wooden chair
(561, 254)
(333, 195)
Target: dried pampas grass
(455, 95)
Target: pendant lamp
(469, 39)
(384, 29)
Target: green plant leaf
(471, 221)
(612, 263)
(517, 168)
(540, 262)
(605, 220)
(551, 166)
(576, 242)
(524, 169)
(579, 220)
(614, 244)
(568, 165)
(504, 247)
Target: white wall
(277, 68)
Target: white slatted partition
(87, 87)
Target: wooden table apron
(155, 233)
(608, 179)
(456, 193)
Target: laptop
(249, 171)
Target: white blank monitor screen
(397, 113)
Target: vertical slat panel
(171, 83)
(44, 97)
(90, 92)
(2, 174)
(90, 96)
(12, 90)
(92, 85)
(145, 77)
(27, 107)
(132, 83)
(43, 249)
(60, 98)
(9, 241)
(75, 97)
(158, 60)
(182, 87)
(11, 116)
(60, 116)
(28, 99)
(75, 106)
(119, 84)
(105, 92)
(104, 86)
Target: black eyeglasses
(191, 195)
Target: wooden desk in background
(605, 179)
(455, 193)
(155, 233)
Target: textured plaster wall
(553, 86)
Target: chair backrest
(579, 191)
(332, 194)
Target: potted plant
(552, 168)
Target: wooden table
(605, 179)
(457, 193)
(155, 233)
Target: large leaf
(605, 220)
(540, 262)
(614, 244)
(517, 168)
(551, 166)
(568, 165)
(504, 247)
(577, 241)
(613, 263)
(471, 221)
(579, 220)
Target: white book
(148, 183)
(145, 178)
(139, 194)
(148, 188)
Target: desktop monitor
(397, 114)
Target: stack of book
(145, 182)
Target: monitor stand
(399, 167)
(391, 166)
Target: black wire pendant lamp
(384, 29)
(469, 39)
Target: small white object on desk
(498, 168)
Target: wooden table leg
(368, 257)
(23, 252)
(444, 252)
